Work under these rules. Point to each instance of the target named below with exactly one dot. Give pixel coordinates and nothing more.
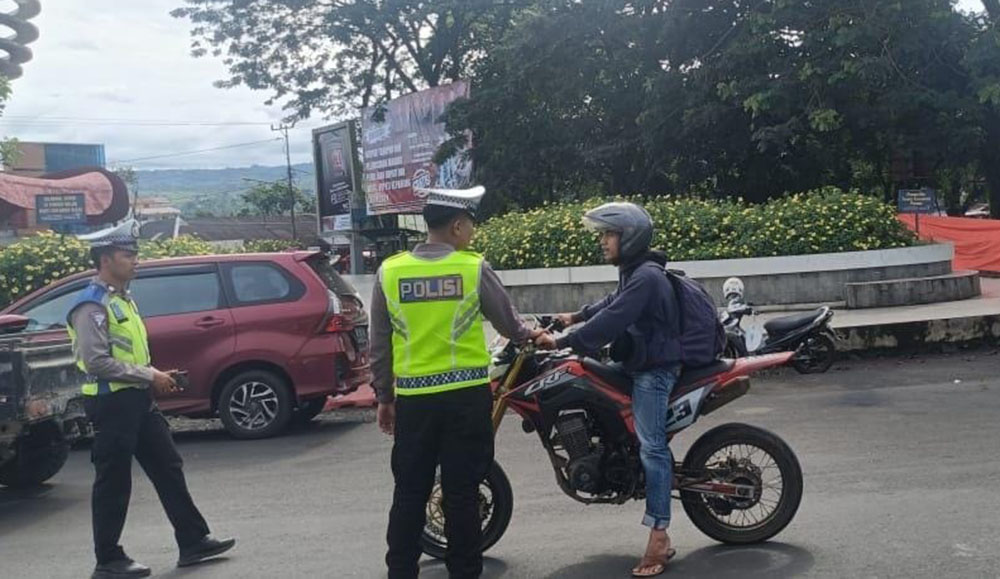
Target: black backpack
(702, 337)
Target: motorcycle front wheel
(744, 455)
(496, 505)
(816, 355)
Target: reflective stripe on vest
(126, 336)
(438, 340)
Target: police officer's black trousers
(127, 424)
(453, 429)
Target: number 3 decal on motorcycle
(681, 413)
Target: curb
(914, 335)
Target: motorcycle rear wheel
(731, 521)
(817, 355)
(496, 505)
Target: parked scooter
(808, 334)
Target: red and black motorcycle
(738, 484)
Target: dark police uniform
(429, 354)
(111, 347)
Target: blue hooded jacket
(640, 319)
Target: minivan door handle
(209, 322)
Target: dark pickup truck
(41, 413)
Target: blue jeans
(650, 398)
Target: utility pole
(288, 161)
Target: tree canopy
(715, 98)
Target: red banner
(977, 241)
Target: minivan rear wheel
(255, 404)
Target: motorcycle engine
(584, 468)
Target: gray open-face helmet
(628, 219)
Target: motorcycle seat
(615, 376)
(690, 376)
(786, 324)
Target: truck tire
(34, 465)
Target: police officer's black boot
(204, 549)
(120, 568)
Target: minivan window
(166, 295)
(50, 314)
(334, 282)
(258, 282)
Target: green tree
(270, 199)
(746, 98)
(718, 98)
(555, 108)
(333, 57)
(983, 65)
(10, 148)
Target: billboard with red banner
(400, 140)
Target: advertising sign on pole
(400, 140)
(918, 201)
(334, 152)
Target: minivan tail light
(338, 317)
(338, 323)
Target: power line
(29, 120)
(181, 154)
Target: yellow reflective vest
(438, 341)
(127, 337)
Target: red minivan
(265, 338)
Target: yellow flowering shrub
(37, 261)
(176, 247)
(269, 245)
(823, 221)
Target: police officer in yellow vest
(431, 366)
(109, 340)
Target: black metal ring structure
(24, 33)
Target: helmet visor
(598, 225)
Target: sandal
(657, 563)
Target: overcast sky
(130, 60)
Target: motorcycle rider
(641, 320)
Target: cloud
(81, 45)
(117, 94)
(129, 61)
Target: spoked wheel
(816, 355)
(496, 504)
(740, 454)
(255, 404)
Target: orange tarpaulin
(977, 241)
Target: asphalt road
(900, 459)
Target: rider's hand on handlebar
(565, 320)
(545, 341)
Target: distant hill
(216, 191)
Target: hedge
(270, 245)
(823, 221)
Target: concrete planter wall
(796, 279)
